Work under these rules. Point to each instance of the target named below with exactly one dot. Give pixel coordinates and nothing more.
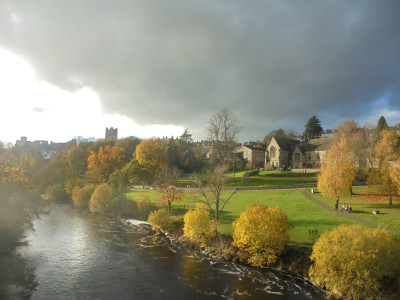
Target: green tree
(271, 134)
(313, 128)
(382, 125)
(262, 232)
(357, 262)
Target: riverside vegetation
(98, 175)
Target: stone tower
(111, 133)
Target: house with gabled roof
(254, 154)
(279, 152)
(312, 154)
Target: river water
(74, 254)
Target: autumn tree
(395, 173)
(337, 173)
(210, 186)
(198, 226)
(262, 232)
(151, 155)
(101, 199)
(81, 195)
(102, 163)
(313, 128)
(357, 262)
(223, 129)
(11, 170)
(129, 145)
(385, 151)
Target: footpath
(344, 214)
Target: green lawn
(308, 220)
(364, 201)
(272, 179)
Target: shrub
(262, 232)
(356, 261)
(81, 195)
(161, 219)
(55, 193)
(72, 183)
(101, 200)
(198, 227)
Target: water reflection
(84, 256)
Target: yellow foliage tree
(81, 195)
(103, 163)
(198, 227)
(101, 199)
(262, 232)
(337, 172)
(152, 156)
(356, 261)
(395, 174)
(385, 151)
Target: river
(75, 254)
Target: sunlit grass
(367, 199)
(307, 219)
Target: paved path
(344, 214)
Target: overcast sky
(154, 68)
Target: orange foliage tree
(104, 162)
(337, 173)
(152, 156)
(262, 232)
(171, 194)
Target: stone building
(279, 152)
(254, 154)
(312, 154)
(111, 133)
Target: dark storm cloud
(273, 63)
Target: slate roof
(322, 144)
(251, 147)
(286, 144)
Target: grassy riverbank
(307, 219)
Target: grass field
(307, 219)
(364, 201)
(272, 179)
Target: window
(309, 155)
(318, 155)
(272, 151)
(296, 157)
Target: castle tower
(111, 133)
